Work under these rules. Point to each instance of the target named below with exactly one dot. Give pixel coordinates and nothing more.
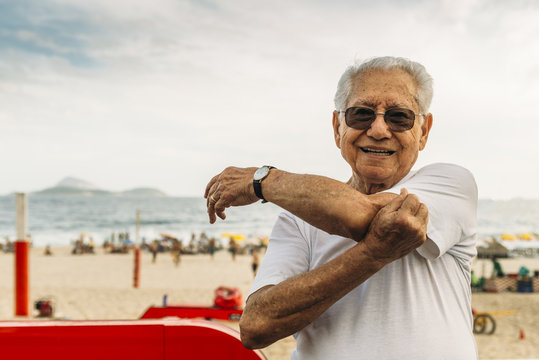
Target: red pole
(21, 277)
(21, 258)
(136, 275)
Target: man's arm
(277, 311)
(325, 203)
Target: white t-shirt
(417, 307)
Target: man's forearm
(325, 203)
(278, 311)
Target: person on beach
(497, 270)
(154, 249)
(47, 251)
(255, 261)
(211, 247)
(175, 251)
(377, 267)
(232, 248)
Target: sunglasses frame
(375, 114)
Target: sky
(166, 94)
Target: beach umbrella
(226, 235)
(526, 236)
(508, 237)
(168, 236)
(239, 237)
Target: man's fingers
(220, 207)
(211, 200)
(212, 195)
(222, 215)
(210, 184)
(411, 204)
(423, 213)
(211, 213)
(215, 209)
(396, 203)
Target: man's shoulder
(445, 169)
(444, 174)
(441, 179)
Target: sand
(100, 286)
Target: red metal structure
(192, 312)
(133, 339)
(21, 277)
(136, 270)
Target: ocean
(61, 220)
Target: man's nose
(379, 129)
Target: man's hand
(398, 228)
(232, 187)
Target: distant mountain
(70, 191)
(143, 192)
(74, 183)
(71, 186)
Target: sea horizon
(61, 220)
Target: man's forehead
(389, 88)
(374, 102)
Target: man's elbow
(253, 334)
(249, 341)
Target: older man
(365, 270)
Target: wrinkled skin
(398, 228)
(381, 90)
(232, 187)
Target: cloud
(185, 88)
(44, 29)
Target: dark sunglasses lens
(400, 119)
(359, 118)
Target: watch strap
(257, 185)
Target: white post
(21, 210)
(136, 269)
(138, 228)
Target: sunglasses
(397, 119)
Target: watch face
(261, 173)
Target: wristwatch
(260, 175)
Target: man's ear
(337, 128)
(425, 130)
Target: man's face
(378, 156)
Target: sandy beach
(100, 286)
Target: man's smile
(377, 152)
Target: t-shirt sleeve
(287, 255)
(450, 194)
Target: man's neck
(365, 187)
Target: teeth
(377, 152)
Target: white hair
(415, 69)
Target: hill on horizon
(71, 186)
(75, 183)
